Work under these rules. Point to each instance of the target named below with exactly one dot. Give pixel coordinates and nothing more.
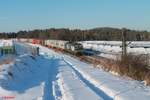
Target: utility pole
(83, 36)
(124, 45)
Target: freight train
(70, 47)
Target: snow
(32, 78)
(72, 84)
(110, 86)
(56, 76)
(114, 86)
(6, 43)
(19, 83)
(113, 49)
(114, 46)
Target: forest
(105, 33)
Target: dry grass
(134, 66)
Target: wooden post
(124, 45)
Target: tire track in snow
(50, 86)
(72, 87)
(89, 84)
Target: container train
(70, 47)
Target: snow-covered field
(56, 76)
(114, 46)
(111, 49)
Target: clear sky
(18, 15)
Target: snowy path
(73, 85)
(88, 84)
(104, 84)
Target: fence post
(37, 50)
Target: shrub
(134, 66)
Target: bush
(134, 66)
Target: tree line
(106, 33)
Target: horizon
(77, 29)
(27, 15)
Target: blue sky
(18, 15)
